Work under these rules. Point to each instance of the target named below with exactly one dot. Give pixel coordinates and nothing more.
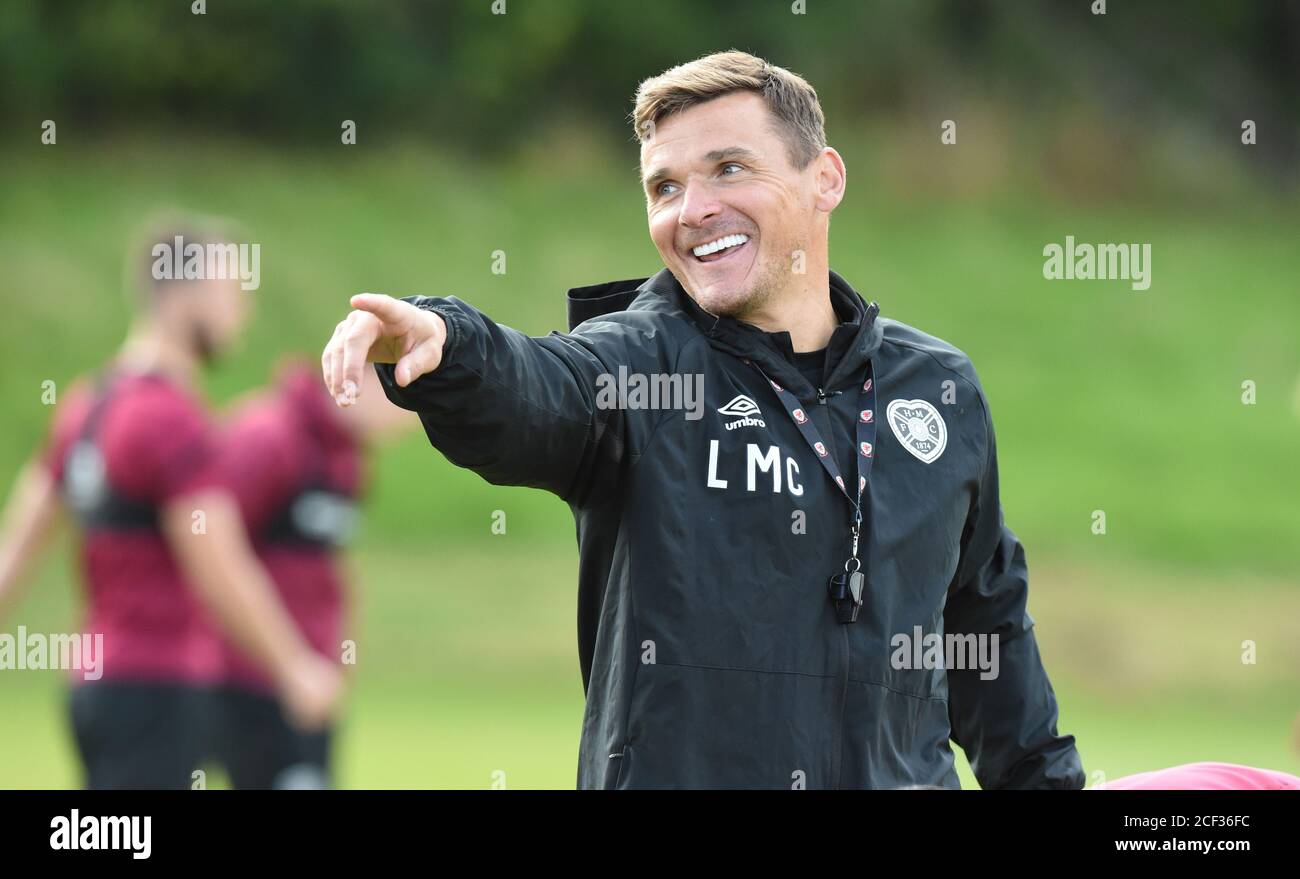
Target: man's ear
(830, 180)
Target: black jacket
(710, 652)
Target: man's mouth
(720, 248)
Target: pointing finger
(391, 311)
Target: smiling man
(742, 575)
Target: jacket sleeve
(517, 409)
(1007, 724)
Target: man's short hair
(165, 228)
(789, 97)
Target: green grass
(453, 685)
(1104, 399)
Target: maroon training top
(154, 440)
(295, 474)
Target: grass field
(1104, 399)
(452, 686)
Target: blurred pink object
(1205, 776)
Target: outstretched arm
(516, 409)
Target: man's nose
(699, 205)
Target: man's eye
(665, 188)
(732, 165)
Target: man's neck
(812, 328)
(806, 314)
(149, 348)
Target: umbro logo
(744, 410)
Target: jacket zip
(838, 745)
(844, 699)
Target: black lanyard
(846, 588)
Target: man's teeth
(720, 244)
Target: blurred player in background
(161, 547)
(293, 461)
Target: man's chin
(206, 346)
(722, 303)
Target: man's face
(720, 173)
(211, 313)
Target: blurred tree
(456, 72)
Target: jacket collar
(852, 344)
